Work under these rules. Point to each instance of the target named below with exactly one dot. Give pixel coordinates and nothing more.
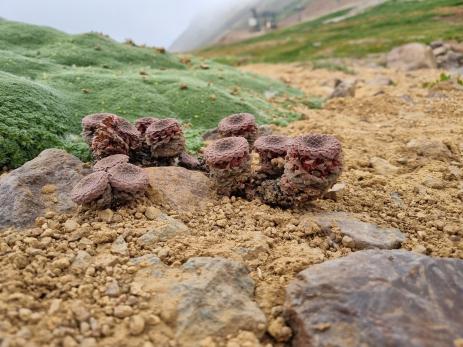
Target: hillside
(231, 24)
(49, 80)
(376, 30)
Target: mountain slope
(376, 30)
(49, 80)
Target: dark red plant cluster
(292, 170)
(113, 182)
(150, 142)
(239, 125)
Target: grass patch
(49, 80)
(377, 30)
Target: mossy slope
(49, 80)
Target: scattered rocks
(361, 235)
(412, 56)
(378, 298)
(449, 56)
(41, 184)
(179, 188)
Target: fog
(153, 22)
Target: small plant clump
(229, 164)
(113, 182)
(150, 142)
(292, 171)
(166, 140)
(241, 125)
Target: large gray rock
(378, 298)
(364, 235)
(41, 184)
(412, 56)
(204, 297)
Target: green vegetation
(377, 30)
(443, 78)
(49, 80)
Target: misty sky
(154, 22)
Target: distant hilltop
(255, 17)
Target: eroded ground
(403, 169)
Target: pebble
(348, 242)
(278, 329)
(136, 325)
(123, 311)
(120, 247)
(68, 341)
(113, 289)
(70, 225)
(106, 215)
(152, 213)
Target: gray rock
(81, 262)
(41, 184)
(412, 56)
(205, 297)
(120, 247)
(378, 298)
(364, 235)
(170, 229)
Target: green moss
(50, 80)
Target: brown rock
(377, 298)
(181, 189)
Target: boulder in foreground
(378, 298)
(41, 184)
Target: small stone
(120, 247)
(278, 329)
(61, 264)
(68, 341)
(419, 249)
(152, 213)
(79, 310)
(81, 261)
(48, 189)
(348, 242)
(221, 222)
(434, 183)
(136, 325)
(383, 167)
(112, 289)
(106, 215)
(123, 311)
(70, 225)
(24, 314)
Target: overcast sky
(154, 22)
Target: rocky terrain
(377, 262)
